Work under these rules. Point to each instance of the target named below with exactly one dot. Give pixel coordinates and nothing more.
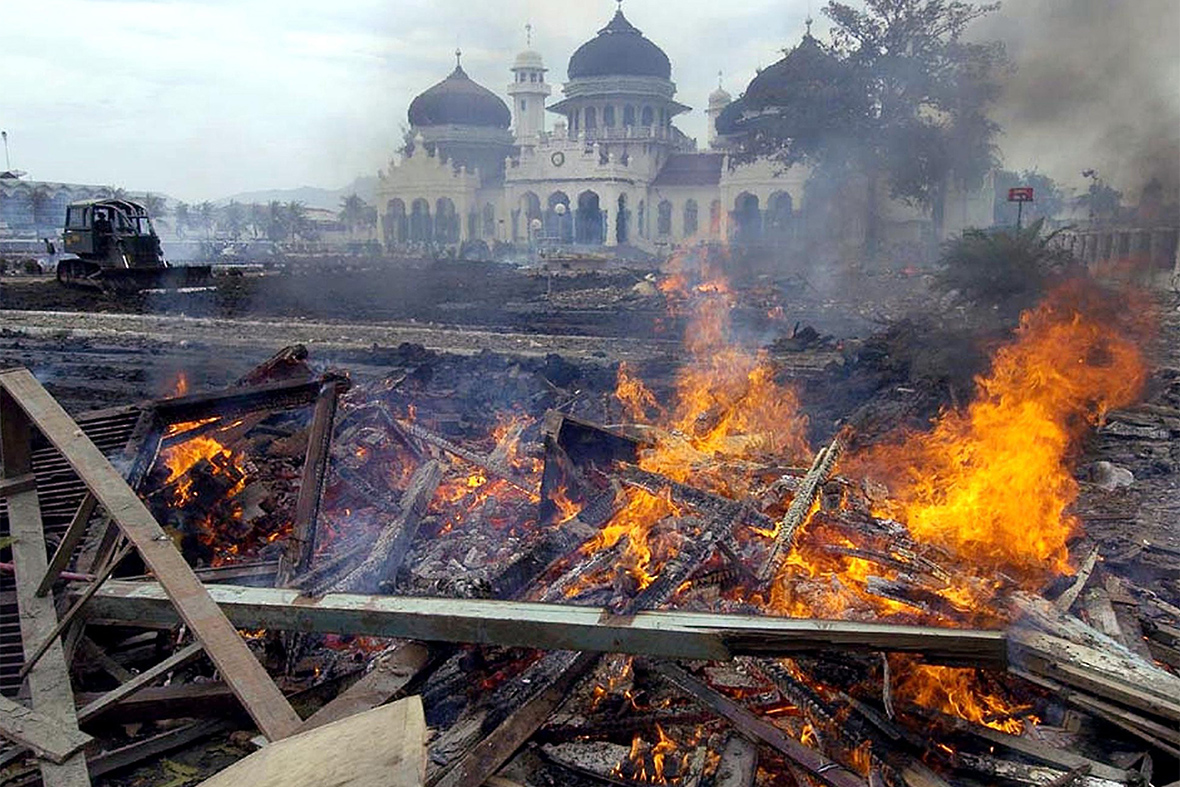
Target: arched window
(664, 219)
(648, 116)
(628, 115)
(608, 116)
(532, 77)
(591, 118)
(690, 218)
(715, 218)
(642, 214)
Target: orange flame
(993, 483)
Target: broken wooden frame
(678, 635)
(24, 404)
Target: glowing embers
(210, 497)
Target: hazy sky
(202, 99)
(206, 98)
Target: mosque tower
(529, 91)
(719, 99)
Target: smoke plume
(1096, 86)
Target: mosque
(614, 170)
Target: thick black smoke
(1096, 86)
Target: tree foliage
(902, 96)
(929, 88)
(1050, 200)
(1003, 269)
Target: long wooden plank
(49, 683)
(73, 611)
(747, 723)
(250, 682)
(685, 635)
(301, 543)
(47, 738)
(143, 679)
(69, 542)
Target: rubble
(627, 589)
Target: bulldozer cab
(113, 232)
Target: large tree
(353, 211)
(899, 100)
(929, 88)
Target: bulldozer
(117, 250)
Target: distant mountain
(311, 196)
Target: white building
(613, 170)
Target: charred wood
(801, 505)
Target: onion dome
(619, 49)
(459, 101)
(528, 59)
(720, 96)
(807, 70)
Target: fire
(566, 508)
(640, 513)
(181, 457)
(727, 406)
(180, 386)
(993, 483)
(958, 692)
(656, 763)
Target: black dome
(619, 49)
(459, 101)
(806, 70)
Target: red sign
(1024, 194)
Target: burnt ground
(494, 297)
(540, 343)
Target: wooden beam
(687, 635)
(253, 686)
(387, 554)
(140, 681)
(801, 505)
(69, 542)
(388, 676)
(487, 757)
(49, 684)
(73, 611)
(385, 747)
(1066, 600)
(14, 486)
(48, 739)
(1043, 753)
(301, 543)
(817, 766)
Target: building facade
(614, 170)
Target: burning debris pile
(673, 586)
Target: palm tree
(276, 221)
(183, 218)
(205, 213)
(157, 206)
(233, 216)
(257, 218)
(352, 212)
(297, 219)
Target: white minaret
(529, 91)
(718, 101)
